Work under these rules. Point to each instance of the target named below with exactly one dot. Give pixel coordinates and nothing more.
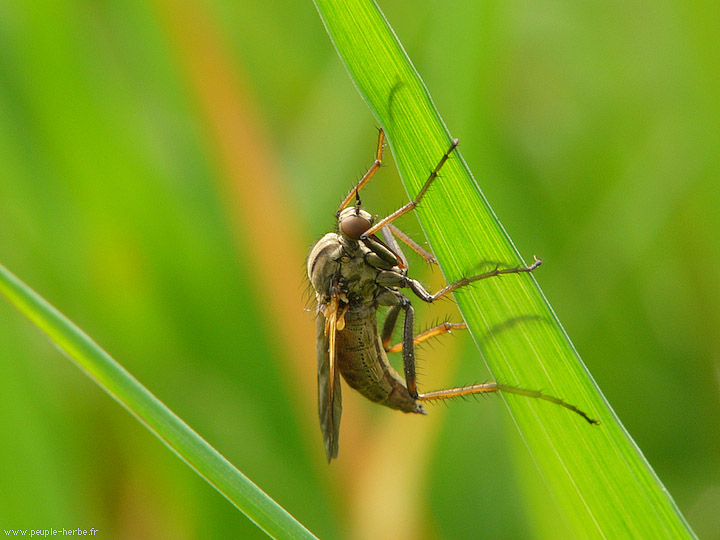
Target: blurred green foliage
(164, 165)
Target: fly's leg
(391, 321)
(491, 387)
(445, 328)
(412, 204)
(398, 301)
(391, 278)
(417, 248)
(390, 232)
(485, 388)
(425, 296)
(389, 326)
(368, 175)
(409, 347)
(408, 351)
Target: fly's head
(353, 222)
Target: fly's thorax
(357, 277)
(338, 261)
(323, 263)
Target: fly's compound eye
(354, 226)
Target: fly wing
(329, 397)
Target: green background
(165, 167)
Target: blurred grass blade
(170, 429)
(598, 477)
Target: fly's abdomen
(364, 366)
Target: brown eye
(354, 226)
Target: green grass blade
(160, 420)
(598, 477)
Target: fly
(353, 272)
